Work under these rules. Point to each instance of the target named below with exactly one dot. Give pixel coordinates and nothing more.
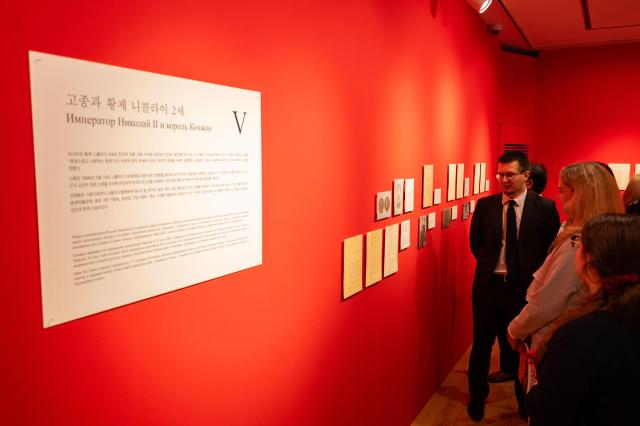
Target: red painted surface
(517, 75)
(587, 107)
(354, 95)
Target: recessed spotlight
(485, 5)
(480, 5)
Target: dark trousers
(492, 312)
(506, 358)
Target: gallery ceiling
(548, 24)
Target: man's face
(511, 180)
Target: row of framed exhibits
(371, 257)
(622, 172)
(401, 199)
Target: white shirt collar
(519, 199)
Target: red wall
(587, 107)
(354, 94)
(517, 94)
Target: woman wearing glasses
(589, 372)
(586, 190)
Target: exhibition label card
(431, 220)
(473, 206)
(352, 266)
(446, 217)
(451, 183)
(454, 212)
(483, 174)
(486, 185)
(422, 232)
(405, 234)
(460, 181)
(391, 249)
(427, 186)
(621, 172)
(128, 164)
(466, 187)
(476, 178)
(383, 205)
(437, 196)
(408, 195)
(373, 266)
(398, 195)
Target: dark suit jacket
(539, 225)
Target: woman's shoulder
(598, 326)
(565, 248)
(589, 320)
(563, 254)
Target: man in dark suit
(510, 235)
(537, 182)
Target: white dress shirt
(501, 267)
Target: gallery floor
(448, 406)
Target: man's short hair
(519, 156)
(538, 177)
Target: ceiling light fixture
(485, 5)
(480, 5)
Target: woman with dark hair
(537, 181)
(589, 368)
(631, 196)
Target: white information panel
(145, 183)
(621, 172)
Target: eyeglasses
(575, 241)
(507, 176)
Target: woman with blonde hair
(631, 196)
(586, 189)
(589, 372)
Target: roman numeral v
(240, 125)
